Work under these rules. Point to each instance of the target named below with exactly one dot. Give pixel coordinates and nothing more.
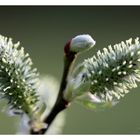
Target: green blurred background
(43, 32)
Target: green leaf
(94, 103)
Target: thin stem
(61, 103)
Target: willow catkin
(17, 77)
(114, 71)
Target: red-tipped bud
(67, 47)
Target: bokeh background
(43, 32)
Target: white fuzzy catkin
(17, 77)
(120, 69)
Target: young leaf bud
(92, 102)
(79, 43)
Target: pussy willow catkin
(114, 71)
(17, 77)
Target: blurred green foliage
(43, 32)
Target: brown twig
(61, 103)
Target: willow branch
(61, 103)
